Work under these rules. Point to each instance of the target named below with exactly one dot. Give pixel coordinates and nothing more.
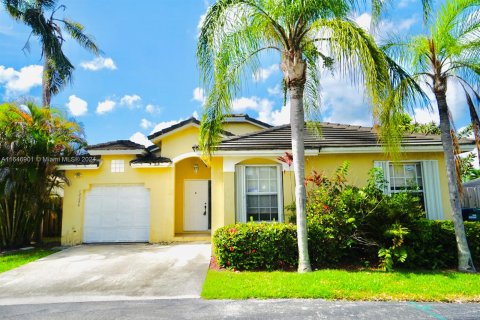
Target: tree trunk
(297, 122)
(465, 262)
(46, 82)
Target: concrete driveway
(108, 273)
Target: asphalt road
(244, 309)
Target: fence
(471, 197)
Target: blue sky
(147, 78)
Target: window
(259, 193)
(117, 166)
(419, 176)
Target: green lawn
(340, 284)
(13, 260)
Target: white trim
(115, 152)
(426, 148)
(151, 165)
(229, 163)
(184, 156)
(261, 153)
(241, 194)
(78, 167)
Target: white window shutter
(431, 190)
(386, 174)
(240, 212)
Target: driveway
(108, 273)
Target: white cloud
(199, 95)
(99, 63)
(165, 124)
(105, 106)
(77, 106)
(130, 100)
(22, 81)
(145, 124)
(385, 26)
(262, 74)
(140, 138)
(282, 116)
(195, 115)
(263, 107)
(201, 20)
(405, 3)
(275, 91)
(153, 109)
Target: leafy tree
(39, 15)
(448, 52)
(31, 139)
(303, 33)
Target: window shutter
(386, 174)
(240, 212)
(431, 190)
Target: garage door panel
(117, 214)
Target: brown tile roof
(116, 145)
(150, 158)
(333, 135)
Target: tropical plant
(304, 33)
(32, 140)
(448, 52)
(39, 15)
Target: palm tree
(39, 15)
(303, 33)
(448, 53)
(31, 139)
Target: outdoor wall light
(195, 168)
(78, 174)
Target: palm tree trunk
(465, 262)
(297, 121)
(46, 79)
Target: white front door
(195, 205)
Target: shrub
(251, 246)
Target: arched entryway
(192, 197)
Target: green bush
(348, 226)
(252, 246)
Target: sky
(146, 78)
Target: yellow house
(124, 192)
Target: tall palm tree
(39, 15)
(303, 33)
(448, 53)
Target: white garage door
(117, 214)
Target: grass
(13, 260)
(341, 284)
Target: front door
(196, 205)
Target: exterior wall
(179, 142)
(360, 164)
(240, 128)
(159, 181)
(184, 171)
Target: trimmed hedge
(273, 246)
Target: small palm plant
(448, 53)
(39, 15)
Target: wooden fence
(471, 197)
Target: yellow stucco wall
(184, 170)
(179, 142)
(159, 181)
(240, 128)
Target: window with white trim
(420, 176)
(117, 166)
(406, 177)
(259, 193)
